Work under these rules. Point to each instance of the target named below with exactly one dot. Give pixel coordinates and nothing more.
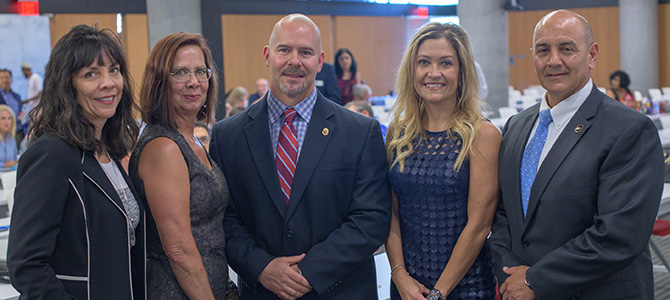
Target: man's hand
(282, 277)
(514, 287)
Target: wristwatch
(434, 295)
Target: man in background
(261, 88)
(362, 107)
(34, 93)
(326, 82)
(361, 91)
(11, 99)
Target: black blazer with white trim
(68, 234)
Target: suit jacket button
(289, 233)
(525, 243)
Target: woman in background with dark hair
(77, 229)
(619, 82)
(184, 191)
(347, 73)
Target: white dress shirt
(561, 115)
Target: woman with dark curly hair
(347, 73)
(77, 228)
(619, 82)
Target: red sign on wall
(29, 8)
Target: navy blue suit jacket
(340, 207)
(326, 82)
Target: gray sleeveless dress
(209, 198)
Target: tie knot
(290, 114)
(545, 117)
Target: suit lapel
(565, 142)
(316, 139)
(517, 146)
(258, 138)
(93, 172)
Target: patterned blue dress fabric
(531, 157)
(432, 203)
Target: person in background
(581, 181)
(77, 228)
(184, 191)
(261, 88)
(619, 83)
(443, 173)
(11, 99)
(483, 86)
(8, 149)
(361, 91)
(237, 97)
(347, 73)
(34, 93)
(326, 83)
(236, 110)
(310, 198)
(202, 133)
(362, 107)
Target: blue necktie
(531, 157)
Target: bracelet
(396, 268)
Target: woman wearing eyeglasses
(184, 191)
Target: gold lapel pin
(325, 131)
(579, 128)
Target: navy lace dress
(432, 203)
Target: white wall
(24, 39)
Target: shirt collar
(564, 110)
(304, 108)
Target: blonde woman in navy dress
(444, 172)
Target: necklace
(116, 176)
(131, 208)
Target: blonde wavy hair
(406, 130)
(12, 127)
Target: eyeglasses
(183, 75)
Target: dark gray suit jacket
(340, 207)
(592, 205)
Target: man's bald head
(294, 57)
(565, 18)
(564, 54)
(292, 19)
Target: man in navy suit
(326, 82)
(316, 240)
(579, 229)
(11, 99)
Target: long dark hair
(338, 68)
(154, 95)
(59, 112)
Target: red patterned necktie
(287, 153)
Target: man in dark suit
(581, 183)
(326, 82)
(262, 87)
(11, 99)
(310, 198)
